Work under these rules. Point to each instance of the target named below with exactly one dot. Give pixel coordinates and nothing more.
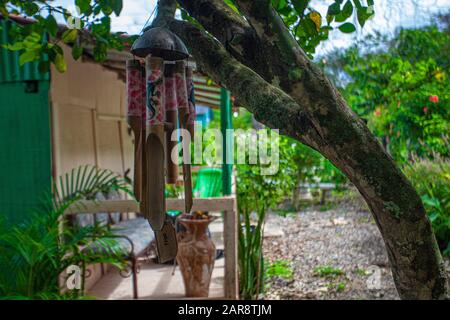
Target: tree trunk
(259, 61)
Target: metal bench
(227, 205)
(134, 237)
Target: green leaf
(3, 11)
(116, 6)
(309, 27)
(15, 46)
(30, 8)
(300, 6)
(97, 10)
(334, 9)
(28, 56)
(60, 64)
(32, 41)
(279, 4)
(84, 5)
(107, 10)
(346, 12)
(326, 28)
(57, 49)
(364, 14)
(77, 51)
(100, 52)
(347, 27)
(329, 18)
(357, 4)
(52, 25)
(69, 35)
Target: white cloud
(134, 15)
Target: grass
(281, 269)
(332, 273)
(339, 287)
(362, 272)
(328, 271)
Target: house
(53, 122)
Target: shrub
(37, 252)
(432, 181)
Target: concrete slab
(154, 282)
(272, 229)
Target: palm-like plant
(35, 253)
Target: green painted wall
(25, 152)
(25, 140)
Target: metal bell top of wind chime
(159, 96)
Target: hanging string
(146, 23)
(149, 18)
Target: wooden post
(230, 216)
(231, 253)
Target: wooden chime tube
(191, 100)
(155, 208)
(183, 114)
(135, 109)
(171, 120)
(143, 160)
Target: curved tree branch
(310, 109)
(235, 34)
(266, 102)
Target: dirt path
(333, 254)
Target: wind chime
(160, 97)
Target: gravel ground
(334, 254)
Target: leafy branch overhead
(310, 27)
(39, 38)
(90, 25)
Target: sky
(389, 15)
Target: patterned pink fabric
(182, 98)
(135, 90)
(170, 93)
(144, 97)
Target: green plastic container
(208, 184)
